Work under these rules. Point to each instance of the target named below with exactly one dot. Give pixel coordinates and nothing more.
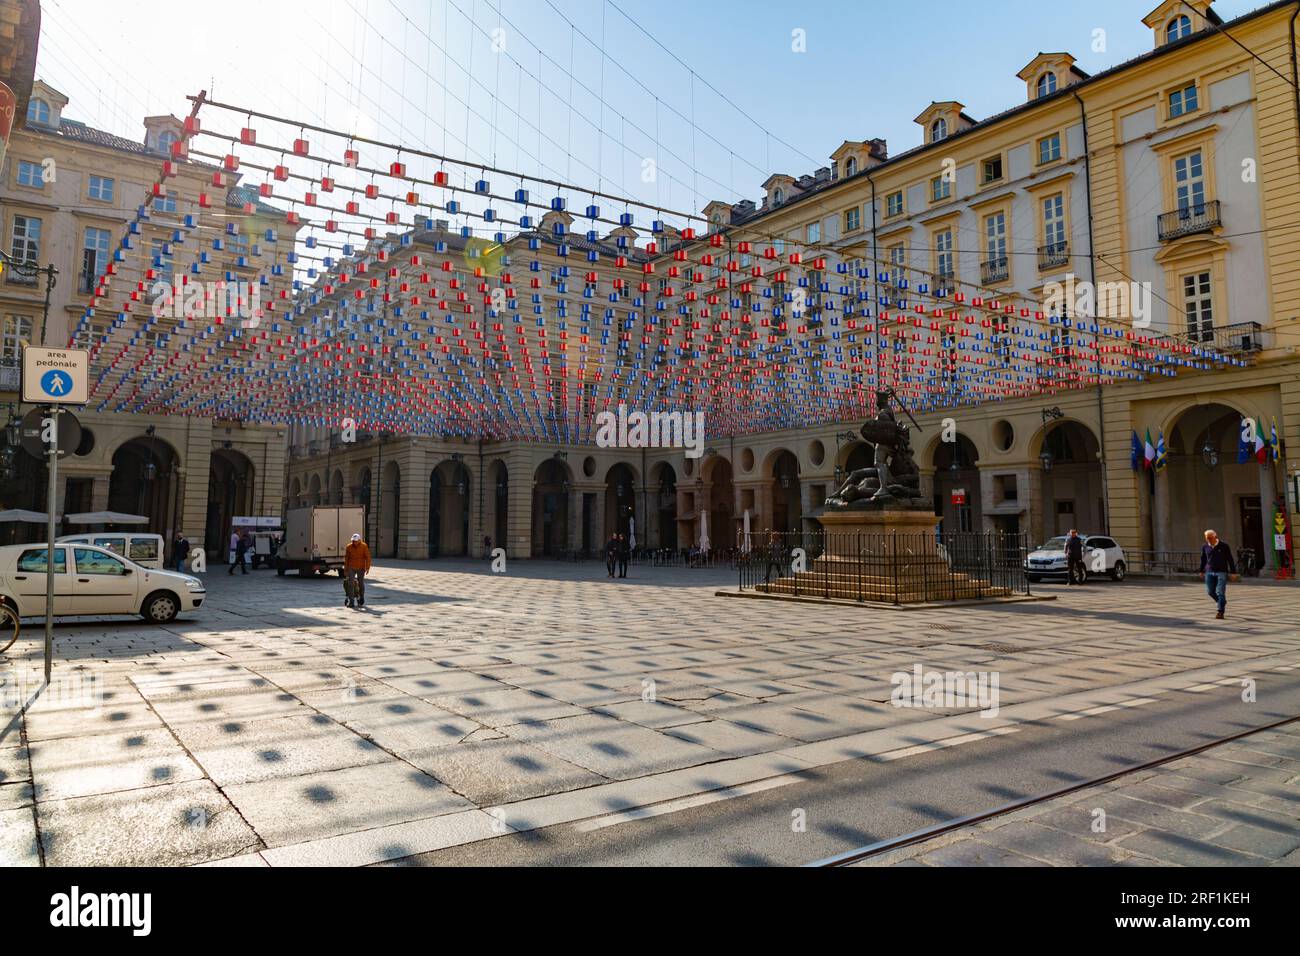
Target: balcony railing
(10, 377)
(994, 270)
(1239, 338)
(1053, 254)
(1189, 220)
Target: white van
(144, 549)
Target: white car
(93, 580)
(142, 549)
(1101, 555)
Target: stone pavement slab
(104, 763)
(162, 826)
(18, 843)
(500, 771)
(232, 752)
(312, 806)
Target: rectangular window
(995, 236)
(25, 245)
(852, 219)
(1189, 184)
(1054, 223)
(1198, 306)
(29, 174)
(165, 203)
(94, 257)
(17, 330)
(940, 188)
(897, 261)
(1182, 101)
(101, 188)
(37, 560)
(991, 169)
(943, 260)
(1049, 149)
(814, 232)
(894, 204)
(162, 263)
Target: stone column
(1267, 501)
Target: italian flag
(1261, 443)
(1149, 454)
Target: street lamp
(1046, 459)
(1209, 455)
(14, 431)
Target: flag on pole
(1161, 458)
(1273, 444)
(1261, 443)
(1149, 459)
(1135, 460)
(1245, 442)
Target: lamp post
(1210, 455)
(29, 270)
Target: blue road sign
(56, 384)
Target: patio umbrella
(704, 531)
(631, 532)
(745, 545)
(106, 517)
(26, 517)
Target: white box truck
(316, 537)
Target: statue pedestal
(890, 555)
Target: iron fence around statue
(884, 567)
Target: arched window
(1179, 27)
(851, 166)
(1047, 84)
(165, 140)
(938, 130)
(38, 111)
(778, 196)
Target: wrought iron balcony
(10, 377)
(994, 270)
(1241, 338)
(1189, 220)
(1053, 254)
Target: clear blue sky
(369, 66)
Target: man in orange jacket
(356, 565)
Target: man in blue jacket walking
(1218, 566)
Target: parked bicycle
(9, 627)
(1247, 562)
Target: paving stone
(104, 763)
(235, 752)
(610, 747)
(1184, 850)
(14, 765)
(18, 846)
(654, 714)
(1057, 847)
(501, 708)
(735, 740)
(501, 771)
(98, 719)
(313, 806)
(1269, 843)
(976, 853)
(244, 705)
(15, 795)
(176, 825)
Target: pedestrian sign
(55, 376)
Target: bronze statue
(893, 479)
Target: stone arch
(450, 490)
(552, 489)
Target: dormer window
(778, 196)
(850, 166)
(1046, 84)
(165, 141)
(38, 112)
(1179, 27)
(938, 130)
